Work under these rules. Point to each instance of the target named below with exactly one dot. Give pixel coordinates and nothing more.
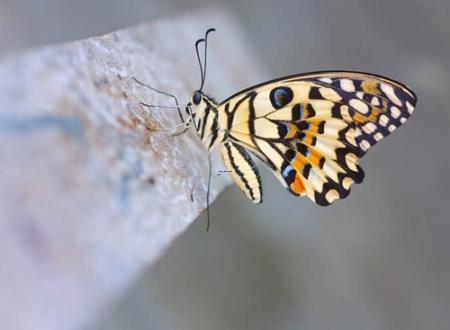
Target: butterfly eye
(280, 96)
(197, 98)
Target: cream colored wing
(242, 170)
(312, 129)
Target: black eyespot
(197, 97)
(281, 96)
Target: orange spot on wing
(298, 163)
(372, 116)
(311, 131)
(292, 131)
(297, 186)
(308, 138)
(314, 122)
(370, 87)
(374, 113)
(314, 157)
(359, 118)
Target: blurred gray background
(379, 259)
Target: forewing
(312, 129)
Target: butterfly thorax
(205, 120)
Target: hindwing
(242, 170)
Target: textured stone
(93, 185)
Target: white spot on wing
(378, 136)
(350, 136)
(395, 112)
(329, 94)
(375, 101)
(347, 85)
(347, 182)
(326, 80)
(365, 145)
(369, 128)
(409, 107)
(389, 91)
(360, 95)
(351, 160)
(345, 113)
(331, 195)
(384, 120)
(359, 106)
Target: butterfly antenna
(205, 55)
(202, 78)
(160, 92)
(207, 192)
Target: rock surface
(93, 186)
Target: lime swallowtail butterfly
(311, 129)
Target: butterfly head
(197, 97)
(199, 107)
(196, 100)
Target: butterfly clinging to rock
(311, 129)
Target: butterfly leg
(177, 106)
(185, 125)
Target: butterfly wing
(242, 170)
(312, 129)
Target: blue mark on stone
(123, 193)
(22, 124)
(134, 169)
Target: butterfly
(311, 129)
